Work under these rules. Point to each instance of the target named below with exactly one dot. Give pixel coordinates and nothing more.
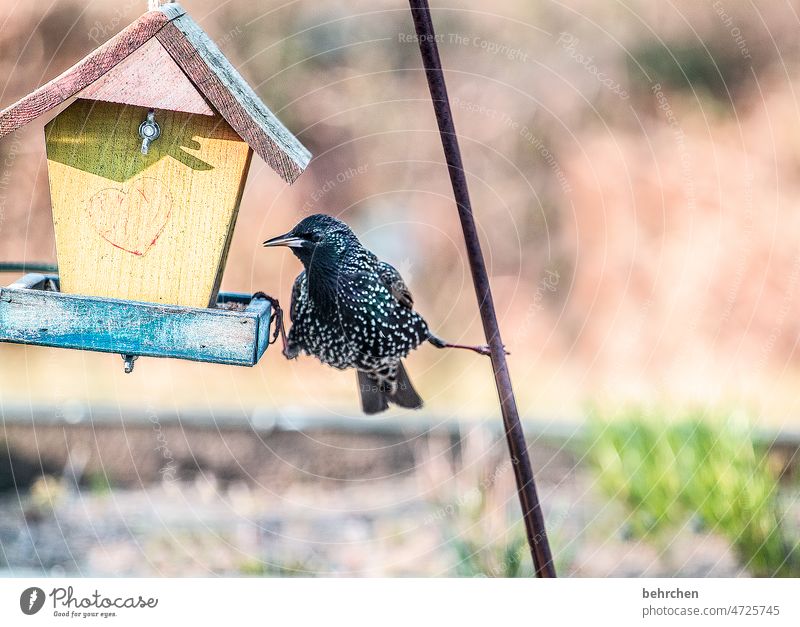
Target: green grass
(258, 568)
(99, 484)
(481, 553)
(695, 470)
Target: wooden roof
(200, 60)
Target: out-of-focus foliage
(477, 512)
(695, 471)
(483, 549)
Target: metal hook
(149, 131)
(129, 359)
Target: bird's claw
(485, 349)
(277, 317)
(481, 349)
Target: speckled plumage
(351, 310)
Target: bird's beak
(287, 239)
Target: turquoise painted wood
(31, 315)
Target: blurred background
(635, 172)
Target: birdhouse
(148, 161)
(147, 154)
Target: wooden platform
(32, 311)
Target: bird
(349, 309)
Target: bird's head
(319, 238)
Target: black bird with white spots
(351, 310)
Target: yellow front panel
(149, 227)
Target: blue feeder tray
(33, 311)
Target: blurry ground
(171, 500)
(199, 530)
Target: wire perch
(526, 487)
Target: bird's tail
(376, 396)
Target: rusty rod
(526, 486)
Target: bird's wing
(296, 295)
(391, 278)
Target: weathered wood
(262, 340)
(29, 316)
(152, 227)
(30, 281)
(200, 60)
(171, 10)
(229, 93)
(227, 247)
(149, 78)
(84, 72)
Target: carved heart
(133, 216)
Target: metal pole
(526, 487)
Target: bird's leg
(482, 349)
(280, 328)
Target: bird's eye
(315, 237)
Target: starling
(351, 310)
